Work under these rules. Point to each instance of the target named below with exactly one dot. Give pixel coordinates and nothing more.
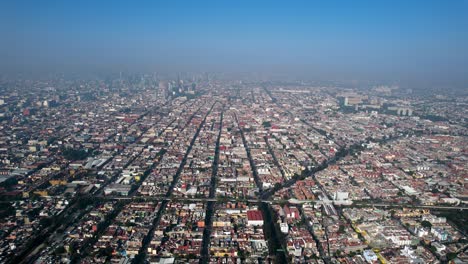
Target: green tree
(266, 124)
(59, 251)
(426, 224)
(74, 154)
(341, 229)
(9, 183)
(451, 255)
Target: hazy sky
(393, 40)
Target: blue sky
(336, 39)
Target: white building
(370, 256)
(284, 228)
(341, 196)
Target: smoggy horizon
(419, 43)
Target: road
(210, 208)
(291, 201)
(140, 258)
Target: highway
(291, 201)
